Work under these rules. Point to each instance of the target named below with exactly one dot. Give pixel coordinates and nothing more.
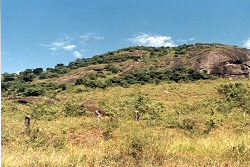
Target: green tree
(34, 92)
(37, 71)
(9, 77)
(27, 75)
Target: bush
(63, 86)
(48, 74)
(145, 105)
(28, 77)
(73, 109)
(34, 92)
(101, 75)
(44, 111)
(113, 69)
(8, 77)
(79, 81)
(37, 71)
(235, 95)
(5, 85)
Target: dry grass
(81, 141)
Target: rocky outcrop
(220, 60)
(224, 62)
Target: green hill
(133, 65)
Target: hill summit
(214, 59)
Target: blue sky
(43, 33)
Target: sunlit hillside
(190, 113)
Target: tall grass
(193, 138)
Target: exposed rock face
(225, 62)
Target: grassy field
(62, 135)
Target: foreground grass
(170, 140)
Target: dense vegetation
(141, 77)
(17, 86)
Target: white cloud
(191, 39)
(156, 41)
(73, 44)
(69, 47)
(53, 49)
(90, 36)
(77, 54)
(247, 44)
(58, 44)
(54, 46)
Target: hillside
(193, 103)
(133, 65)
(212, 59)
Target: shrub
(235, 95)
(63, 86)
(101, 75)
(44, 111)
(113, 69)
(48, 74)
(145, 105)
(79, 81)
(37, 71)
(34, 92)
(5, 85)
(73, 109)
(8, 77)
(29, 77)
